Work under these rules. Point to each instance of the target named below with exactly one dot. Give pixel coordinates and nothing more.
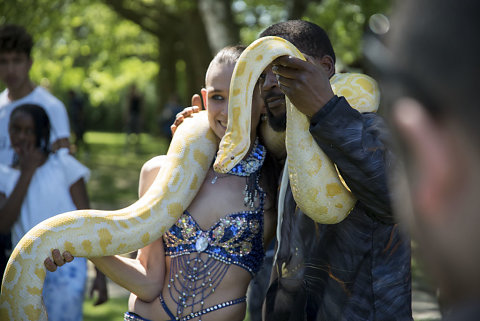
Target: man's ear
(328, 65)
(431, 159)
(204, 98)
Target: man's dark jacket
(358, 269)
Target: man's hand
(187, 112)
(307, 85)
(58, 260)
(60, 143)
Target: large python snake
(318, 190)
(93, 233)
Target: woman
(201, 268)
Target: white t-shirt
(55, 109)
(48, 193)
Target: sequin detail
(199, 314)
(200, 259)
(253, 161)
(235, 239)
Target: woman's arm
(147, 271)
(142, 276)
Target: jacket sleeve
(355, 142)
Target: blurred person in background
(38, 185)
(76, 106)
(134, 117)
(429, 73)
(15, 63)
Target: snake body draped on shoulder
(317, 188)
(93, 233)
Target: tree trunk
(168, 73)
(219, 23)
(196, 51)
(296, 9)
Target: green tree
(164, 46)
(87, 47)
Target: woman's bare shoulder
(154, 164)
(148, 173)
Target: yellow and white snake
(93, 233)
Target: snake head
(252, 62)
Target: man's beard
(278, 123)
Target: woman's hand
(187, 112)
(58, 260)
(99, 284)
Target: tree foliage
(164, 46)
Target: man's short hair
(14, 38)
(308, 37)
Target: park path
(424, 304)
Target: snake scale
(93, 233)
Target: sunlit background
(100, 48)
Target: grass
(113, 184)
(112, 310)
(115, 166)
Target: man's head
(314, 43)
(15, 38)
(433, 87)
(15, 60)
(308, 37)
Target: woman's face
(215, 98)
(22, 131)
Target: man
(358, 269)
(431, 84)
(15, 63)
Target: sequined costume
(199, 259)
(235, 239)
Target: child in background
(37, 186)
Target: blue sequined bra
(200, 259)
(235, 239)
